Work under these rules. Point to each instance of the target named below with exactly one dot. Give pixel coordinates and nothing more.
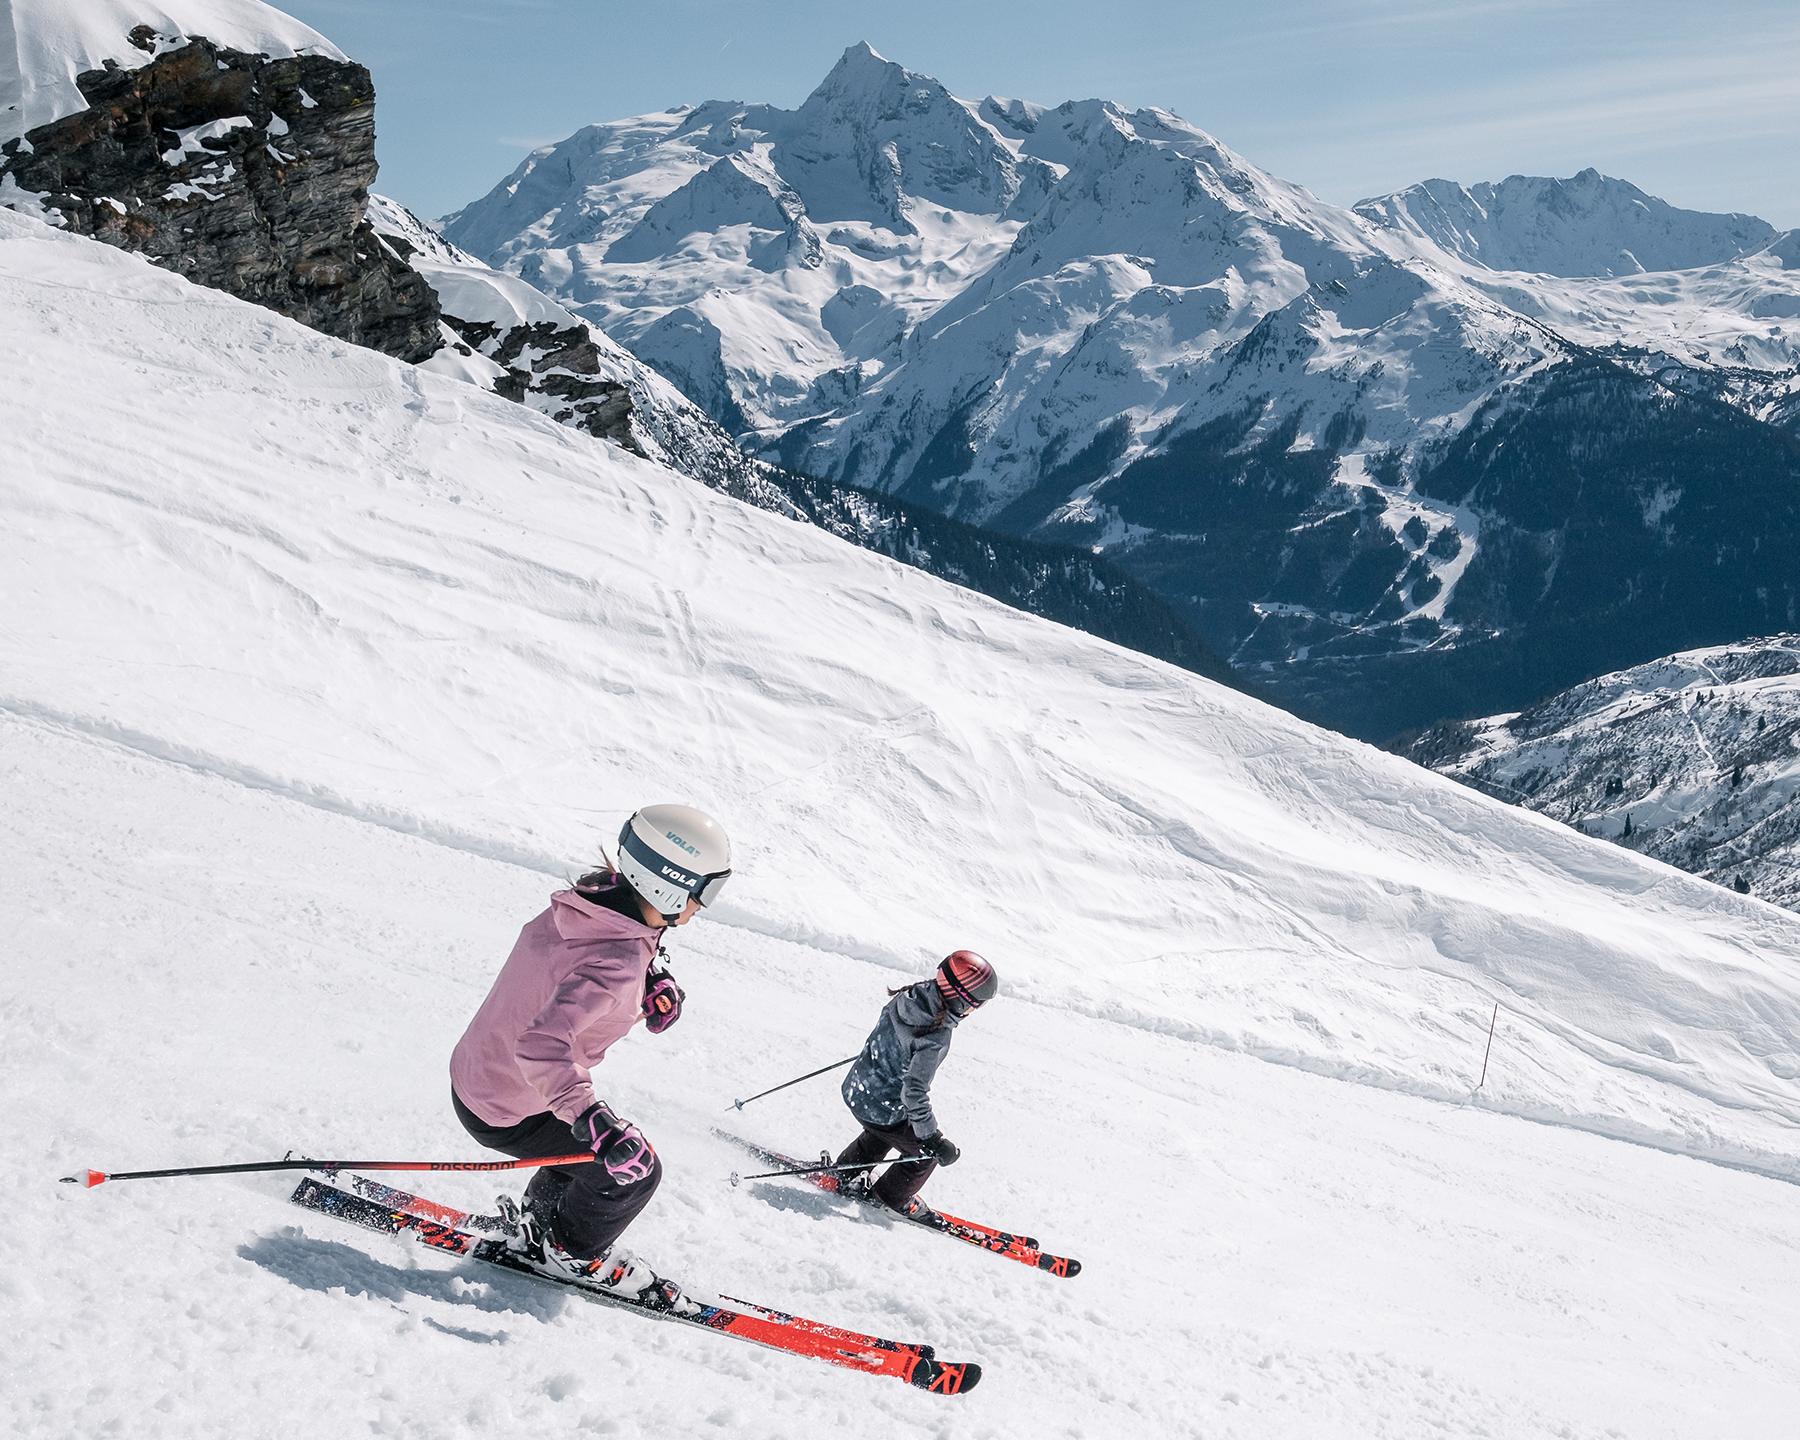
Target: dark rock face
(565, 368)
(554, 368)
(243, 173)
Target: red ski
(1022, 1248)
(388, 1211)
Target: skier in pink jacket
(581, 975)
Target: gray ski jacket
(890, 1082)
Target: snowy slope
(789, 723)
(360, 658)
(45, 44)
(1322, 1259)
(1694, 759)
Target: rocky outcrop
(561, 365)
(542, 357)
(244, 173)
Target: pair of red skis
(382, 1208)
(1022, 1248)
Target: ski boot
(617, 1271)
(524, 1229)
(913, 1209)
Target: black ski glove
(941, 1148)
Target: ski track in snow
(314, 669)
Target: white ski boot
(524, 1230)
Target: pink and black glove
(617, 1144)
(662, 1002)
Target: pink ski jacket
(573, 984)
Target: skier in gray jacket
(888, 1088)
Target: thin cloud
(1636, 104)
(1412, 17)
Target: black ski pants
(583, 1206)
(898, 1183)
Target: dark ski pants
(898, 1183)
(584, 1207)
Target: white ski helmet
(671, 854)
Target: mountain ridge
(1588, 225)
(1169, 330)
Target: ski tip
(1060, 1266)
(87, 1179)
(941, 1377)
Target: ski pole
(90, 1178)
(834, 1065)
(737, 1179)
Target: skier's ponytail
(595, 881)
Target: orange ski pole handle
(88, 1179)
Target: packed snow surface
(45, 44)
(317, 672)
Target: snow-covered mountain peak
(1013, 118)
(863, 68)
(45, 44)
(875, 136)
(1588, 224)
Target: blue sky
(1698, 103)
